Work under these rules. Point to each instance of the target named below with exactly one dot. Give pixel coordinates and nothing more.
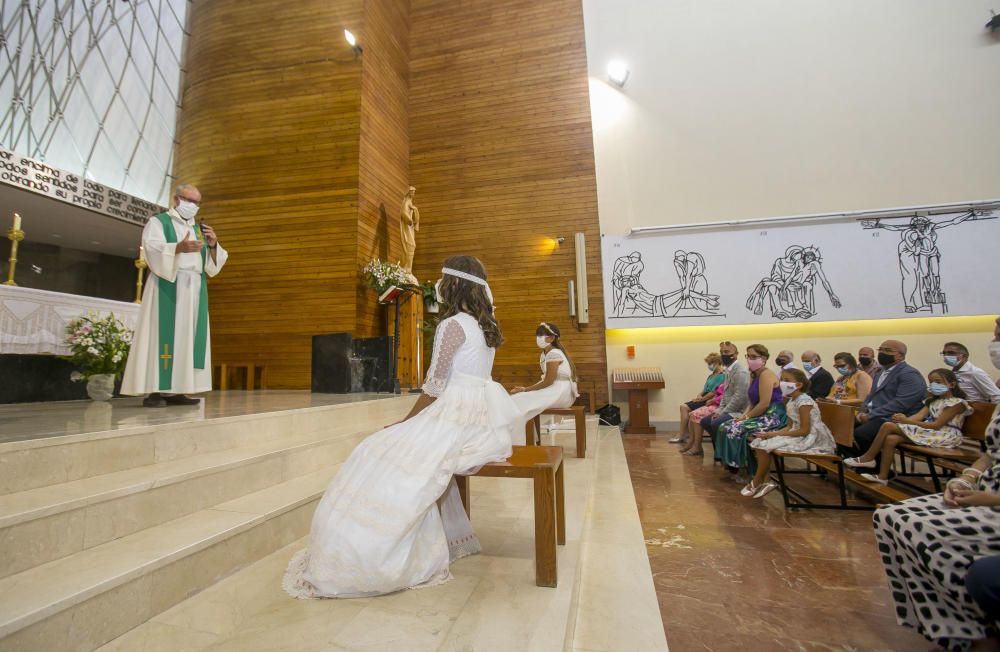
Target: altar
(32, 336)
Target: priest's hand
(187, 245)
(210, 236)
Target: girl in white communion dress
(392, 517)
(557, 388)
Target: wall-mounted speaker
(582, 304)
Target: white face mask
(541, 341)
(186, 209)
(437, 291)
(995, 354)
(787, 387)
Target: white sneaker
(855, 462)
(871, 477)
(765, 489)
(749, 490)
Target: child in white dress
(557, 388)
(392, 518)
(805, 432)
(938, 424)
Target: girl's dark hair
(799, 376)
(465, 296)
(549, 329)
(846, 357)
(950, 378)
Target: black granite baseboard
(32, 378)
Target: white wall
(760, 108)
(739, 109)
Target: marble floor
(605, 600)
(27, 421)
(733, 573)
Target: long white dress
(378, 528)
(560, 394)
(142, 374)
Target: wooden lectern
(638, 382)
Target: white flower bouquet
(382, 276)
(97, 346)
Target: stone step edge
(62, 440)
(156, 560)
(256, 454)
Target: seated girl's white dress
(819, 441)
(378, 527)
(560, 394)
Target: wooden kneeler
(534, 427)
(544, 465)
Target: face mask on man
(808, 366)
(788, 387)
(951, 360)
(886, 359)
(938, 389)
(864, 361)
(995, 354)
(186, 209)
(781, 362)
(728, 359)
(541, 341)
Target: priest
(171, 350)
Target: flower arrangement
(382, 276)
(97, 345)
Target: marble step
(41, 525)
(84, 600)
(123, 444)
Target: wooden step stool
(544, 465)
(576, 411)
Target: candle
(17, 222)
(142, 253)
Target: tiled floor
(733, 573)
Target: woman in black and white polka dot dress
(928, 543)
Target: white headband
(469, 277)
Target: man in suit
(820, 380)
(897, 389)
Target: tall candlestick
(15, 235)
(142, 253)
(17, 222)
(140, 264)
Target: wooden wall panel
(270, 132)
(385, 146)
(501, 152)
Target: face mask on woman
(844, 371)
(787, 387)
(755, 363)
(939, 389)
(541, 341)
(995, 354)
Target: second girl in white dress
(557, 388)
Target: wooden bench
(951, 459)
(250, 374)
(544, 465)
(840, 420)
(533, 428)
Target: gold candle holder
(15, 236)
(140, 264)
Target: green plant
(97, 345)
(381, 276)
(428, 292)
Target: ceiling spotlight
(618, 72)
(352, 41)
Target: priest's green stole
(167, 310)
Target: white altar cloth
(34, 321)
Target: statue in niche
(409, 224)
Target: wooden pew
(840, 420)
(952, 459)
(543, 465)
(533, 428)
